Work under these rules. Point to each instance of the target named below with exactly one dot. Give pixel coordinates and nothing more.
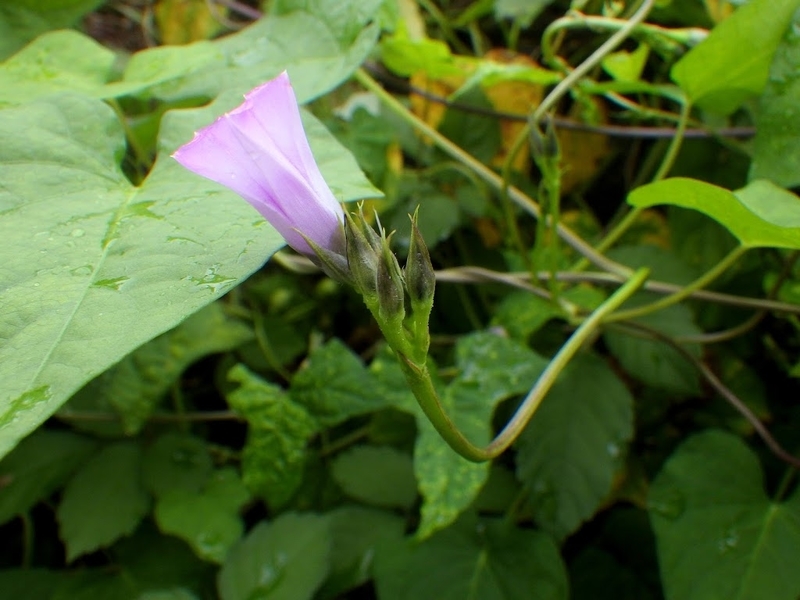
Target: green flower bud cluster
(400, 299)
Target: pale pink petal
(260, 151)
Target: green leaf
(627, 66)
(776, 148)
(279, 429)
(380, 476)
(103, 501)
(60, 61)
(718, 534)
(335, 385)
(134, 386)
(93, 266)
(319, 52)
(207, 520)
(57, 61)
(176, 461)
(569, 452)
(38, 467)
(491, 369)
(405, 56)
(736, 211)
(287, 559)
(356, 533)
(652, 361)
(23, 20)
(485, 560)
(733, 63)
(771, 203)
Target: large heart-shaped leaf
(718, 534)
(92, 266)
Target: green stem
(489, 176)
(688, 36)
(699, 283)
(421, 383)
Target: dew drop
(669, 504)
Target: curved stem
(421, 383)
(699, 283)
(489, 176)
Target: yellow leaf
(583, 153)
(186, 21)
(515, 97)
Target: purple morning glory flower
(260, 151)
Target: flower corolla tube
(260, 151)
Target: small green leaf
(733, 63)
(279, 429)
(134, 386)
(570, 450)
(176, 461)
(38, 467)
(627, 66)
(733, 210)
(405, 56)
(207, 520)
(377, 476)
(491, 369)
(718, 534)
(287, 559)
(335, 385)
(103, 501)
(471, 560)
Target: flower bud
(420, 277)
(362, 257)
(543, 145)
(391, 294)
